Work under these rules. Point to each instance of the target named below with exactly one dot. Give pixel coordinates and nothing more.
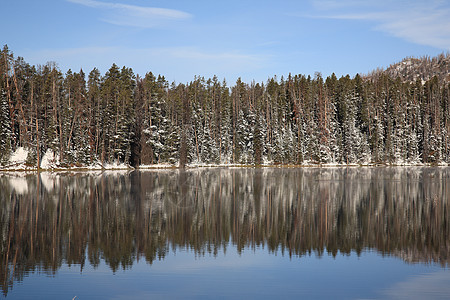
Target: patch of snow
(17, 160)
(157, 166)
(19, 156)
(50, 160)
(116, 166)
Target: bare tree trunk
(36, 119)
(38, 163)
(55, 116)
(19, 103)
(71, 128)
(31, 108)
(183, 148)
(8, 94)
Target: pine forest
(396, 116)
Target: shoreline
(122, 167)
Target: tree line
(298, 119)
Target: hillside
(424, 68)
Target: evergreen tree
(119, 117)
(110, 107)
(5, 129)
(96, 111)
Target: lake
(246, 233)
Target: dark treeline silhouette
(47, 220)
(122, 117)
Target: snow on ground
(18, 159)
(50, 160)
(116, 166)
(157, 166)
(19, 156)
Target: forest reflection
(50, 219)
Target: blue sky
(250, 39)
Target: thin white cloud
(336, 4)
(133, 15)
(417, 22)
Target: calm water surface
(344, 233)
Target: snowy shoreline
(123, 167)
(50, 163)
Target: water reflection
(48, 220)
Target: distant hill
(424, 68)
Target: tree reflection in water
(49, 219)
